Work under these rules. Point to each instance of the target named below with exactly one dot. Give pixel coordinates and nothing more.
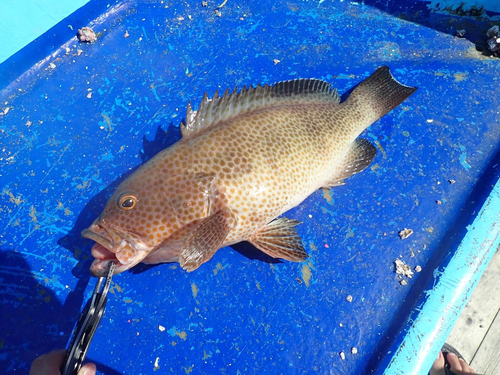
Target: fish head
(135, 220)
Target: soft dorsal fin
(218, 108)
(359, 156)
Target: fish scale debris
(403, 269)
(405, 233)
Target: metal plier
(87, 324)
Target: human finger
(455, 364)
(438, 365)
(48, 364)
(87, 369)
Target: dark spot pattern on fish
(244, 159)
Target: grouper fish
(244, 159)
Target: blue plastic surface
(76, 123)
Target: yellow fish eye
(127, 202)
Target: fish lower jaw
(100, 267)
(103, 256)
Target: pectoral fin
(169, 249)
(279, 239)
(357, 158)
(205, 240)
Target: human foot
(457, 365)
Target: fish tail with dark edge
(382, 91)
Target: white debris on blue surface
(403, 269)
(494, 40)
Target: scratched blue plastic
(74, 124)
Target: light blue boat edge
(448, 297)
(30, 19)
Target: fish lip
(104, 236)
(99, 266)
(99, 238)
(102, 256)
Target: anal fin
(205, 240)
(279, 239)
(357, 159)
(333, 183)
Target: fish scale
(245, 158)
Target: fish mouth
(124, 249)
(100, 239)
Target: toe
(438, 365)
(466, 369)
(455, 364)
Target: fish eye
(127, 202)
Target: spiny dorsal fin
(218, 109)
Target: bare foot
(457, 365)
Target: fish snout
(94, 227)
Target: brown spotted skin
(253, 166)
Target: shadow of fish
(244, 159)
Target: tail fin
(382, 91)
